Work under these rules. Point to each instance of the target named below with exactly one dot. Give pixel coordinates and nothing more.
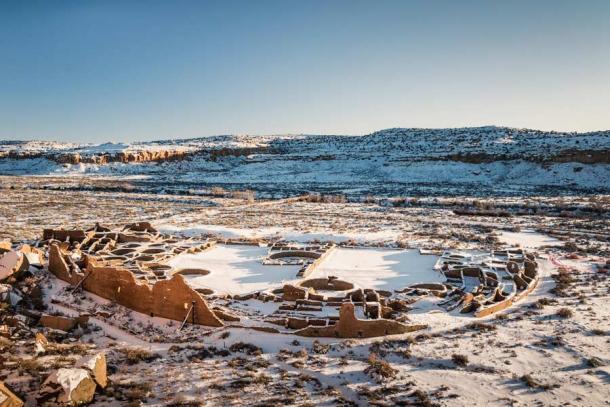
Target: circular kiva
(123, 251)
(159, 267)
(327, 284)
(154, 251)
(192, 272)
(145, 258)
(294, 253)
(430, 286)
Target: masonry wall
(167, 299)
(349, 326)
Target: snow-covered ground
(389, 161)
(234, 269)
(274, 233)
(379, 268)
(528, 239)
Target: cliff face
(120, 157)
(567, 156)
(104, 158)
(392, 161)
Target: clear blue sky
(137, 70)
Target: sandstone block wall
(167, 299)
(349, 326)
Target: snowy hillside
(393, 161)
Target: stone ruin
(130, 266)
(308, 257)
(482, 283)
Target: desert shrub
(542, 302)
(594, 362)
(398, 202)
(533, 383)
(5, 344)
(129, 391)
(369, 199)
(137, 355)
(218, 191)
(315, 197)
(563, 280)
(481, 326)
(459, 359)
(422, 398)
(379, 367)
(31, 367)
(261, 378)
(246, 195)
(565, 313)
(182, 401)
(247, 348)
(320, 348)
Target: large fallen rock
(224, 314)
(35, 256)
(12, 263)
(8, 398)
(96, 365)
(74, 386)
(63, 323)
(5, 246)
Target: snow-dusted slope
(390, 161)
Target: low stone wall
(295, 253)
(349, 326)
(502, 305)
(305, 272)
(327, 284)
(64, 235)
(169, 299)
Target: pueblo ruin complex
(141, 269)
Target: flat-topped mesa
(120, 157)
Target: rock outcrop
(69, 385)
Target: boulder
(224, 314)
(69, 385)
(96, 365)
(12, 263)
(63, 323)
(41, 343)
(8, 398)
(5, 246)
(35, 256)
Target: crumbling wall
(64, 235)
(170, 299)
(119, 285)
(327, 284)
(314, 265)
(349, 326)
